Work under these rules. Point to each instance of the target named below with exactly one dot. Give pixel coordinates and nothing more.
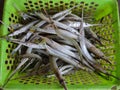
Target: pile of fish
(62, 43)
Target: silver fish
(56, 71)
(16, 26)
(64, 57)
(28, 44)
(57, 46)
(23, 29)
(23, 61)
(26, 37)
(28, 64)
(84, 50)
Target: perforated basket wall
(103, 11)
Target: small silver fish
(56, 71)
(23, 29)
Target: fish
(23, 29)
(12, 74)
(28, 44)
(23, 61)
(26, 37)
(64, 36)
(77, 24)
(31, 55)
(64, 57)
(43, 22)
(64, 12)
(56, 71)
(28, 64)
(58, 24)
(90, 34)
(15, 26)
(57, 46)
(81, 39)
(96, 51)
(63, 70)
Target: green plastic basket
(104, 11)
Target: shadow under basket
(101, 11)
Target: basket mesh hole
(9, 46)
(96, 5)
(66, 4)
(50, 1)
(8, 56)
(56, 3)
(94, 8)
(14, 62)
(9, 19)
(31, 5)
(36, 3)
(30, 1)
(72, 2)
(16, 17)
(25, 82)
(82, 2)
(25, 3)
(10, 62)
(36, 7)
(90, 6)
(27, 7)
(92, 2)
(12, 15)
(7, 51)
(76, 4)
(12, 67)
(81, 6)
(41, 5)
(31, 82)
(71, 5)
(21, 81)
(37, 83)
(9, 30)
(46, 4)
(86, 4)
(40, 2)
(6, 62)
(8, 68)
(10, 50)
(13, 20)
(61, 2)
